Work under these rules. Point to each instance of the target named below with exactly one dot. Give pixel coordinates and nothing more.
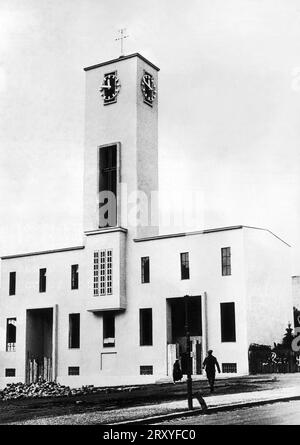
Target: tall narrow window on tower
(226, 261)
(103, 272)
(108, 186)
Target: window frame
(144, 341)
(10, 346)
(74, 276)
(106, 316)
(12, 283)
(185, 265)
(72, 319)
(72, 370)
(103, 272)
(145, 277)
(118, 180)
(226, 261)
(225, 335)
(42, 280)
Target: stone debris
(40, 389)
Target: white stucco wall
(268, 282)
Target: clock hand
(107, 86)
(148, 85)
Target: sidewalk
(162, 411)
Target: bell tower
(121, 153)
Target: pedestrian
(177, 372)
(210, 363)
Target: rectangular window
(74, 276)
(10, 372)
(42, 280)
(226, 261)
(227, 322)
(12, 283)
(146, 327)
(108, 330)
(108, 186)
(73, 370)
(145, 269)
(103, 272)
(146, 370)
(185, 266)
(74, 331)
(229, 367)
(11, 334)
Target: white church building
(111, 311)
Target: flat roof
(43, 252)
(139, 240)
(120, 59)
(206, 231)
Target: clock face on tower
(148, 88)
(110, 88)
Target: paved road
(282, 413)
(15, 410)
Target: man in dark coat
(210, 363)
(177, 372)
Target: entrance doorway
(176, 335)
(39, 345)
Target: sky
(229, 110)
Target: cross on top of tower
(121, 38)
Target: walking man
(210, 363)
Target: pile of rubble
(14, 391)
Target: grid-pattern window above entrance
(146, 327)
(11, 334)
(108, 186)
(74, 276)
(145, 269)
(227, 322)
(12, 283)
(42, 284)
(74, 331)
(103, 272)
(226, 260)
(185, 266)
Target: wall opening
(39, 332)
(176, 333)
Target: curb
(199, 411)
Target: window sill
(229, 341)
